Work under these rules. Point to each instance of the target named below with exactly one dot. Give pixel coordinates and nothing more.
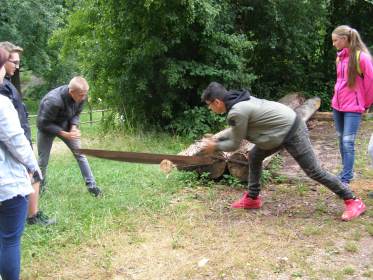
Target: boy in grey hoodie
(270, 126)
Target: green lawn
(128, 188)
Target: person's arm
(366, 66)
(230, 139)
(76, 118)
(70, 135)
(12, 136)
(48, 112)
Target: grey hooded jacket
(262, 122)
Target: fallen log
(328, 116)
(214, 170)
(305, 111)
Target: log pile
(236, 162)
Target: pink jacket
(360, 97)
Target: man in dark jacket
(35, 216)
(270, 126)
(58, 115)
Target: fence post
(90, 115)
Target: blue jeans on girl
(12, 221)
(347, 125)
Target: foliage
(151, 58)
(196, 122)
(232, 181)
(29, 24)
(290, 35)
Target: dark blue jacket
(58, 111)
(9, 90)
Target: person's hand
(208, 146)
(75, 131)
(37, 176)
(72, 135)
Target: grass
(128, 189)
(149, 226)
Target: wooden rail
(90, 112)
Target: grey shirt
(262, 122)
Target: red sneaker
(247, 202)
(354, 208)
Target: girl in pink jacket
(353, 92)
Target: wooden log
(293, 100)
(305, 111)
(328, 116)
(239, 171)
(215, 170)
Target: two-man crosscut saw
(151, 158)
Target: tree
(150, 59)
(29, 24)
(290, 36)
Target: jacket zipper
(357, 100)
(339, 88)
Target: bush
(196, 122)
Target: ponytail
(354, 40)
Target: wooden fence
(92, 116)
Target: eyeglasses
(15, 62)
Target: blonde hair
(10, 47)
(354, 44)
(78, 83)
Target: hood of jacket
(235, 96)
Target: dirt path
(200, 237)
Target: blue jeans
(12, 221)
(347, 124)
(300, 148)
